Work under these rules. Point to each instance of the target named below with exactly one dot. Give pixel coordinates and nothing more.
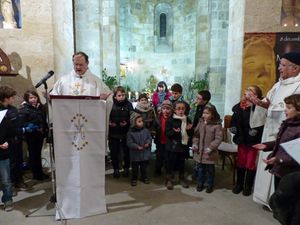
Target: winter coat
(174, 139)
(5, 135)
(240, 127)
(16, 121)
(198, 114)
(284, 163)
(35, 115)
(207, 136)
(148, 117)
(138, 137)
(120, 112)
(155, 99)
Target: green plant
(110, 81)
(151, 85)
(202, 84)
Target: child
(203, 98)
(5, 181)
(119, 121)
(162, 93)
(139, 142)
(160, 138)
(207, 137)
(279, 162)
(178, 130)
(15, 146)
(247, 130)
(144, 108)
(177, 96)
(34, 113)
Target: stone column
(88, 32)
(234, 54)
(110, 37)
(202, 38)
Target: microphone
(49, 74)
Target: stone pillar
(202, 38)
(88, 32)
(111, 37)
(234, 54)
(63, 38)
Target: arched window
(162, 25)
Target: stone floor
(149, 204)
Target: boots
(183, 181)
(169, 183)
(249, 181)
(240, 180)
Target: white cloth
(257, 117)
(264, 184)
(88, 84)
(184, 135)
(79, 140)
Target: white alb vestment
(264, 183)
(74, 84)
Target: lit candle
(136, 95)
(129, 95)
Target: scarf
(184, 135)
(143, 107)
(161, 96)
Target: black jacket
(5, 135)
(120, 112)
(240, 127)
(174, 138)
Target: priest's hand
(104, 96)
(259, 147)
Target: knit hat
(133, 118)
(167, 103)
(293, 57)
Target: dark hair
(6, 92)
(258, 91)
(143, 95)
(294, 100)
(176, 87)
(162, 84)
(179, 102)
(119, 89)
(205, 95)
(31, 92)
(213, 110)
(86, 57)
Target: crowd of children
(164, 120)
(167, 122)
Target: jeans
(5, 180)
(135, 170)
(201, 170)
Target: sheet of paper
(293, 148)
(2, 114)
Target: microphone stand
(52, 166)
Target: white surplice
(74, 84)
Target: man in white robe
(80, 81)
(288, 84)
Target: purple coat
(284, 163)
